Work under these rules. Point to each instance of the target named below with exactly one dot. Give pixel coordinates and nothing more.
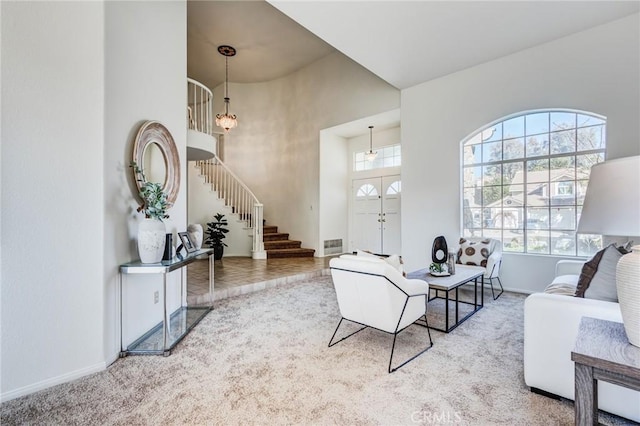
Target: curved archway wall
(275, 148)
(594, 70)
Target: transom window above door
(524, 179)
(388, 156)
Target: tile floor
(240, 275)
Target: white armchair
(374, 294)
(491, 262)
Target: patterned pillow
(598, 276)
(474, 252)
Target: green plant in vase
(215, 233)
(154, 200)
(151, 231)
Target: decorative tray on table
(438, 270)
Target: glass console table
(163, 337)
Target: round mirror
(156, 154)
(154, 164)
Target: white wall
(275, 148)
(596, 70)
(204, 203)
(334, 192)
(145, 58)
(78, 78)
(53, 301)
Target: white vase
(628, 285)
(195, 233)
(151, 239)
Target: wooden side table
(602, 352)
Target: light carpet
(263, 359)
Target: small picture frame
(186, 242)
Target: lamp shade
(612, 202)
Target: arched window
(394, 188)
(366, 190)
(525, 177)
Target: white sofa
(550, 329)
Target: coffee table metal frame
(443, 286)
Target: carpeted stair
(278, 244)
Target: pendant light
(226, 121)
(371, 156)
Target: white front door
(376, 214)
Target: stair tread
(281, 244)
(288, 250)
(291, 252)
(275, 236)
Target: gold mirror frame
(154, 132)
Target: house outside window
(388, 156)
(525, 178)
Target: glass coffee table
(444, 286)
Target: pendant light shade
(226, 121)
(371, 155)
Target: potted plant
(215, 233)
(151, 232)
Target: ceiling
(269, 44)
(403, 42)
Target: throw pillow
(564, 289)
(393, 260)
(474, 252)
(598, 276)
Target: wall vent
(333, 246)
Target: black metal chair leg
(501, 288)
(346, 337)
(391, 370)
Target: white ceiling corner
(410, 42)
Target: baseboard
(64, 378)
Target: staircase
(278, 244)
(267, 241)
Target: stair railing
(200, 107)
(239, 197)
